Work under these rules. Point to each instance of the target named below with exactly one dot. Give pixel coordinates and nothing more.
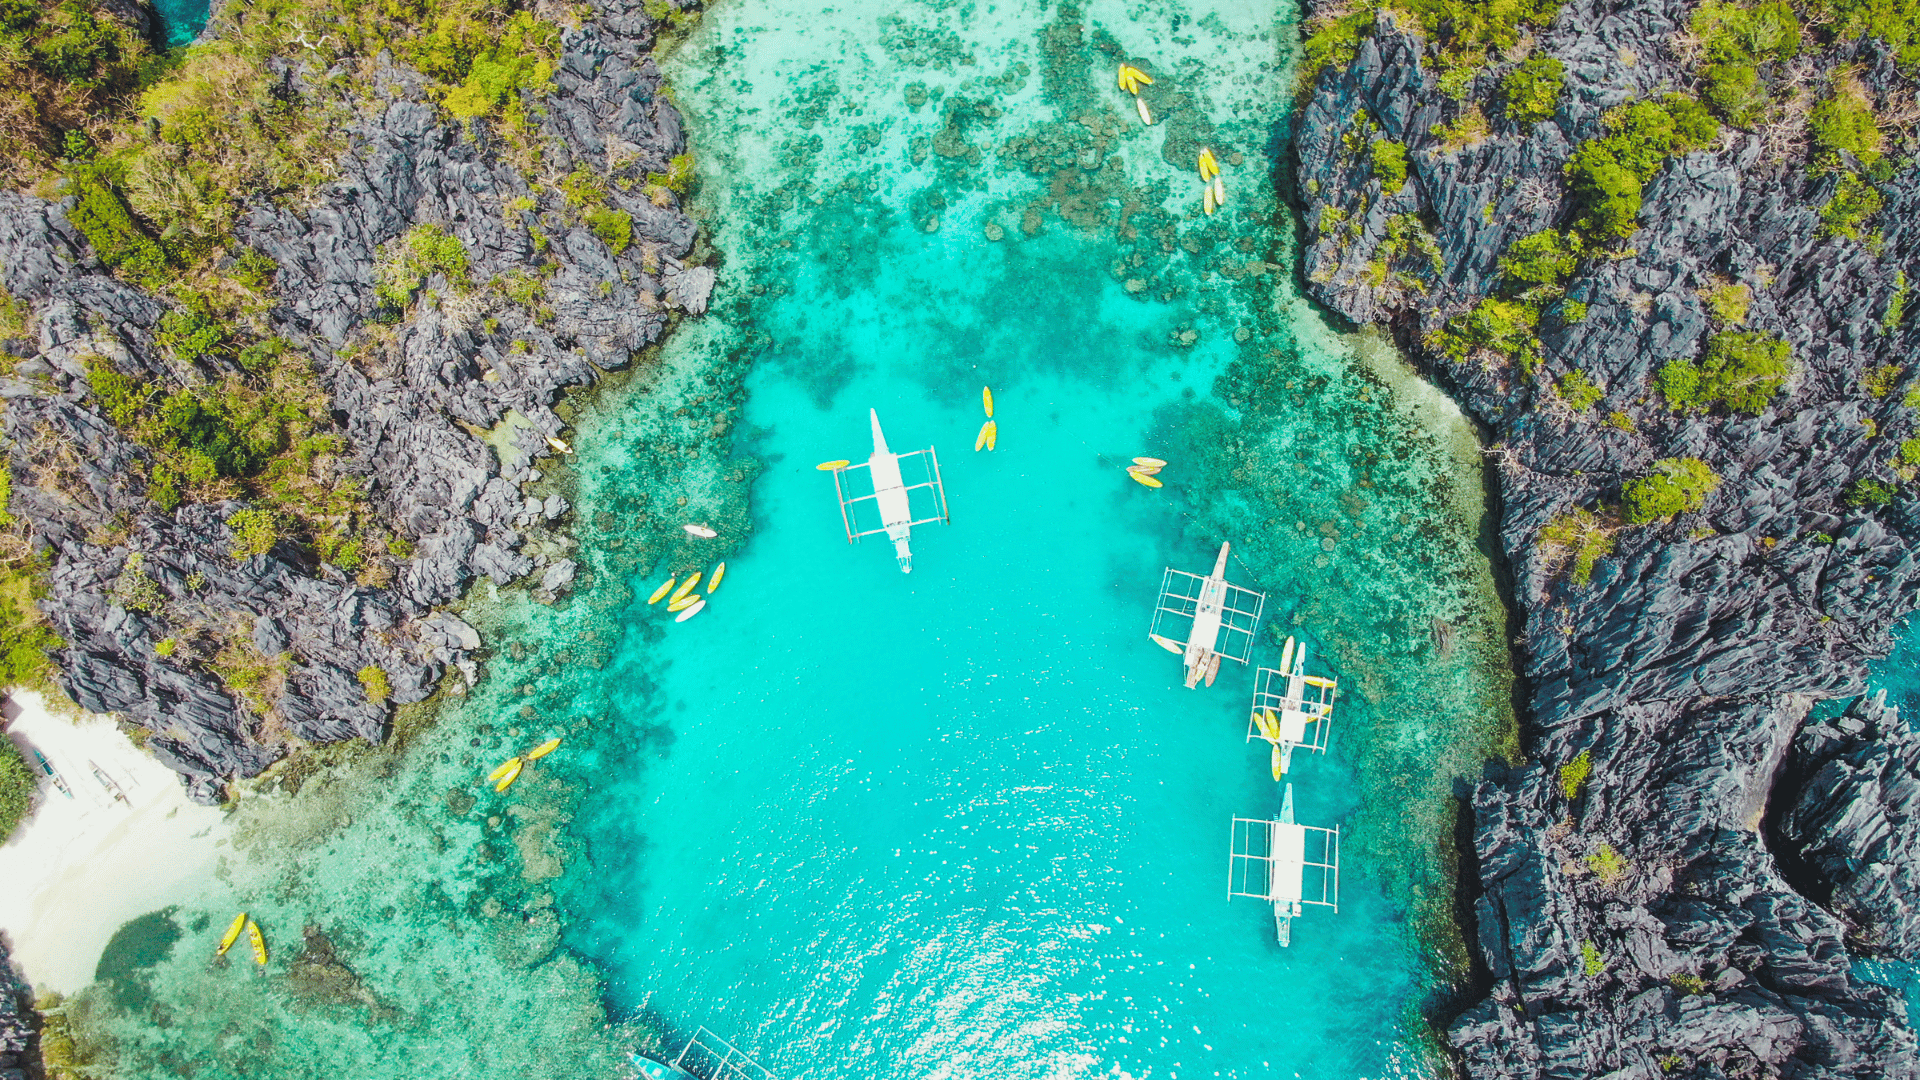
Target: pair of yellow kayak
(1131, 80)
(255, 938)
(1143, 469)
(989, 431)
(503, 777)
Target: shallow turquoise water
(184, 19)
(963, 823)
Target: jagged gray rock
(467, 360)
(1684, 669)
(1851, 823)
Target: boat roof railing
(1315, 701)
(710, 1057)
(1279, 861)
(928, 464)
(1239, 613)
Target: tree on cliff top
(17, 785)
(1678, 486)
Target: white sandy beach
(81, 867)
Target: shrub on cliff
(1738, 41)
(18, 782)
(1472, 28)
(64, 63)
(406, 263)
(1742, 370)
(1573, 774)
(1608, 174)
(1896, 22)
(1844, 124)
(1578, 391)
(1533, 89)
(375, 681)
(1580, 537)
(488, 67)
(1544, 258)
(254, 533)
(1509, 328)
(1678, 485)
(1854, 202)
(1867, 493)
(1390, 165)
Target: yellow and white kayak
(686, 587)
(700, 531)
(686, 602)
(1168, 644)
(1139, 76)
(232, 935)
(543, 749)
(511, 765)
(662, 591)
(559, 445)
(980, 440)
(1279, 762)
(1219, 192)
(714, 581)
(259, 942)
(833, 466)
(507, 778)
(1206, 200)
(993, 434)
(1209, 167)
(697, 607)
(1147, 480)
(1145, 116)
(986, 400)
(1125, 82)
(1143, 470)
(1150, 462)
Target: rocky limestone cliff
(423, 409)
(1644, 927)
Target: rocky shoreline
(444, 416)
(1678, 879)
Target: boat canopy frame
(718, 1059)
(1315, 701)
(1240, 611)
(1285, 857)
(929, 464)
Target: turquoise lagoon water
(184, 19)
(962, 823)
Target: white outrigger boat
(1222, 618)
(1290, 707)
(1286, 864)
(892, 496)
(705, 1057)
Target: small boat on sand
(59, 783)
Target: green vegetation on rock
(18, 782)
(254, 533)
(1532, 89)
(64, 63)
(1742, 370)
(1608, 865)
(378, 687)
(1573, 775)
(1677, 486)
(1592, 963)
(1739, 40)
(1869, 494)
(1543, 258)
(1853, 204)
(406, 263)
(1578, 391)
(1390, 165)
(1608, 174)
(1580, 537)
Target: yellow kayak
(1143, 470)
(993, 434)
(1147, 480)
(1145, 116)
(662, 591)
(511, 765)
(697, 608)
(559, 444)
(259, 942)
(511, 774)
(1219, 192)
(1121, 77)
(980, 440)
(1168, 644)
(1279, 764)
(714, 581)
(1134, 74)
(986, 400)
(1150, 462)
(543, 749)
(686, 587)
(232, 935)
(686, 602)
(1206, 200)
(833, 466)
(1209, 167)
